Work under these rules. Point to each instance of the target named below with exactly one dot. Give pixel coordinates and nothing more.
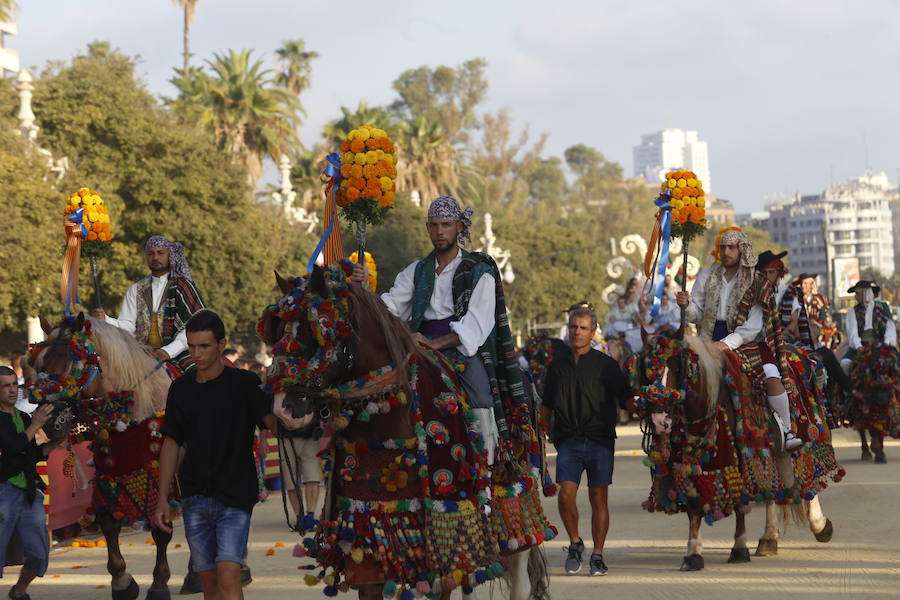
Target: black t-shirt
(584, 396)
(215, 421)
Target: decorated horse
(115, 392)
(874, 406)
(713, 450)
(408, 486)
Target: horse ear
(45, 325)
(317, 281)
(79, 322)
(284, 285)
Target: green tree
(161, 176)
(247, 113)
(190, 8)
(336, 130)
(396, 243)
(7, 10)
(295, 62)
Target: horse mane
(128, 364)
(710, 360)
(367, 306)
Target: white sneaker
(791, 441)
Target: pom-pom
(330, 591)
(348, 534)
(310, 580)
(423, 588)
(390, 588)
(308, 522)
(406, 595)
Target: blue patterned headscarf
(446, 207)
(178, 266)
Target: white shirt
(128, 313)
(475, 326)
(742, 334)
(852, 331)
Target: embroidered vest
(737, 312)
(146, 320)
(881, 314)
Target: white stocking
(779, 405)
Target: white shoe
(791, 441)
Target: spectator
(583, 390)
(21, 497)
(230, 354)
(296, 444)
(211, 414)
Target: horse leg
(819, 524)
(159, 590)
(693, 559)
(877, 438)
(739, 552)
(519, 583)
(866, 455)
(124, 587)
(768, 543)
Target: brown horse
(116, 392)
(713, 450)
(874, 406)
(406, 470)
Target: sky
(789, 94)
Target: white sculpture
(286, 196)
(500, 256)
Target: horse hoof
(694, 562)
(191, 585)
(739, 555)
(129, 593)
(826, 533)
(158, 594)
(767, 547)
(880, 459)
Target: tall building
(9, 59)
(851, 219)
(672, 149)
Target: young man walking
(21, 497)
(211, 412)
(583, 391)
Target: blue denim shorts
(17, 514)
(214, 532)
(576, 455)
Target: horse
(874, 406)
(406, 474)
(116, 393)
(713, 450)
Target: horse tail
(538, 573)
(796, 513)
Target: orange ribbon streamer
(653, 245)
(334, 246)
(68, 285)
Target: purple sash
(436, 329)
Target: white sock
(779, 405)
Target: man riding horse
(733, 305)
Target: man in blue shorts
(584, 390)
(211, 414)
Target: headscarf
(178, 266)
(446, 207)
(734, 236)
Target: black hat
(863, 285)
(803, 276)
(768, 256)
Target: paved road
(643, 550)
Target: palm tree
(7, 9)
(296, 65)
(190, 7)
(248, 115)
(427, 159)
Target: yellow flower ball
(682, 183)
(677, 204)
(104, 218)
(701, 202)
(670, 183)
(371, 157)
(692, 182)
(386, 184)
(699, 184)
(360, 158)
(347, 158)
(363, 134)
(379, 153)
(379, 134)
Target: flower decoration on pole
(682, 213)
(371, 267)
(87, 227)
(368, 171)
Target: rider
(816, 304)
(729, 303)
(869, 322)
(156, 308)
(452, 301)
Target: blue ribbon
(663, 259)
(333, 170)
(78, 217)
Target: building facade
(672, 149)
(851, 219)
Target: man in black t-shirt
(212, 411)
(583, 391)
